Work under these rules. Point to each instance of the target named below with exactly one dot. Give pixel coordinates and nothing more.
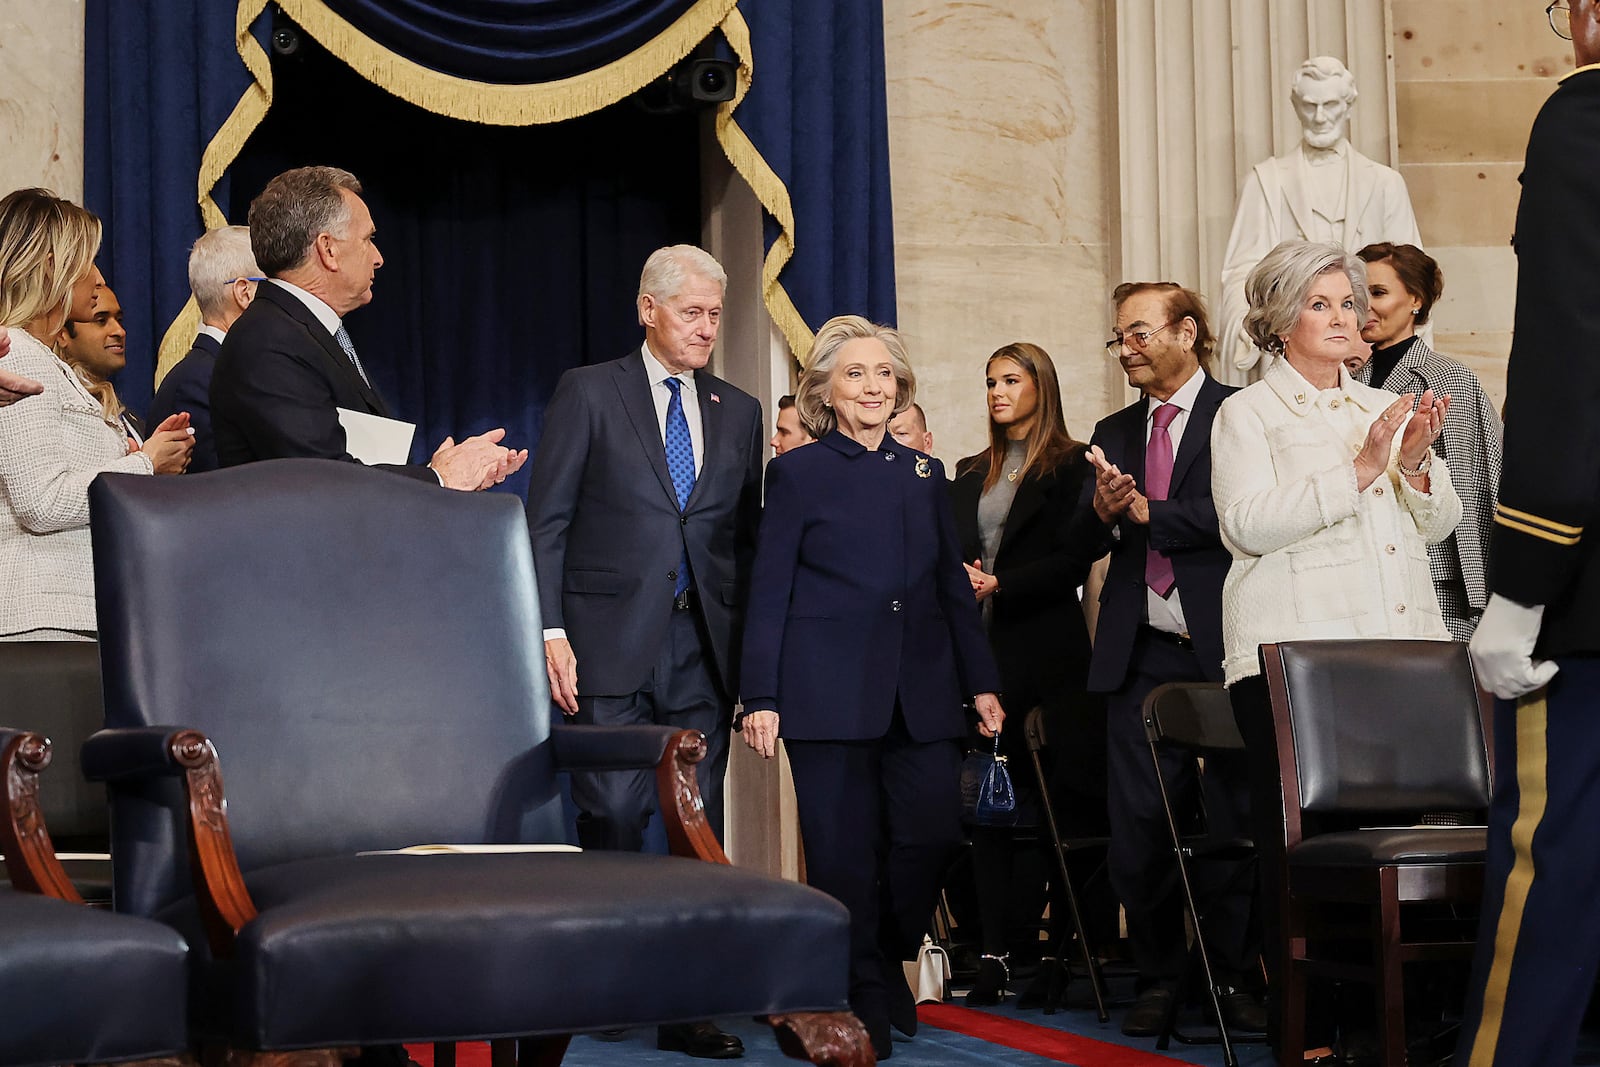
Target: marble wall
(1469, 77)
(41, 95)
(1003, 204)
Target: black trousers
(1144, 872)
(881, 821)
(614, 807)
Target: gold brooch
(923, 470)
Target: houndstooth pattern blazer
(1471, 447)
(51, 447)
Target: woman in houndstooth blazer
(53, 445)
(1405, 283)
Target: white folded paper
(375, 439)
(477, 850)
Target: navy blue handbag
(987, 796)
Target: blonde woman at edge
(53, 446)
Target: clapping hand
(1115, 493)
(14, 387)
(984, 585)
(1423, 429)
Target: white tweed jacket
(51, 448)
(1312, 557)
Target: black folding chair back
(1197, 718)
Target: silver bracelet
(1422, 468)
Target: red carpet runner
(1043, 1041)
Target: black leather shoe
(700, 1040)
(1149, 1012)
(1243, 1012)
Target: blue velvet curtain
(511, 253)
(816, 112)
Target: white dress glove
(1502, 649)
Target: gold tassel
(178, 339)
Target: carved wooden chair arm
(164, 751)
(31, 860)
(683, 810)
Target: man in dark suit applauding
(223, 277)
(288, 365)
(643, 504)
(1160, 621)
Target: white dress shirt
(326, 315)
(662, 396)
(222, 335)
(1166, 612)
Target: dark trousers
(1539, 936)
(1144, 872)
(614, 807)
(881, 821)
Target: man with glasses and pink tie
(1161, 621)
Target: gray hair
(220, 256)
(816, 381)
(1321, 69)
(669, 269)
(1276, 289)
(294, 207)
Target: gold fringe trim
(219, 155)
(769, 190)
(508, 105)
(178, 339)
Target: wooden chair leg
(835, 1038)
(503, 1052)
(1288, 1000)
(444, 1054)
(1388, 972)
(542, 1051)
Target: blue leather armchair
(79, 985)
(366, 653)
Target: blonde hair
(816, 381)
(46, 245)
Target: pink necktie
(1157, 482)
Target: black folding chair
(1034, 732)
(1197, 718)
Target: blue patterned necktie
(343, 337)
(680, 464)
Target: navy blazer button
(683, 520)
(672, 576)
(894, 606)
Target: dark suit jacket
(1184, 526)
(858, 597)
(1542, 550)
(278, 380)
(187, 387)
(607, 534)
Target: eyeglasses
(252, 278)
(1135, 340)
(1560, 17)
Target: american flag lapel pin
(715, 399)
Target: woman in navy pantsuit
(862, 640)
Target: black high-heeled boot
(1048, 987)
(993, 974)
